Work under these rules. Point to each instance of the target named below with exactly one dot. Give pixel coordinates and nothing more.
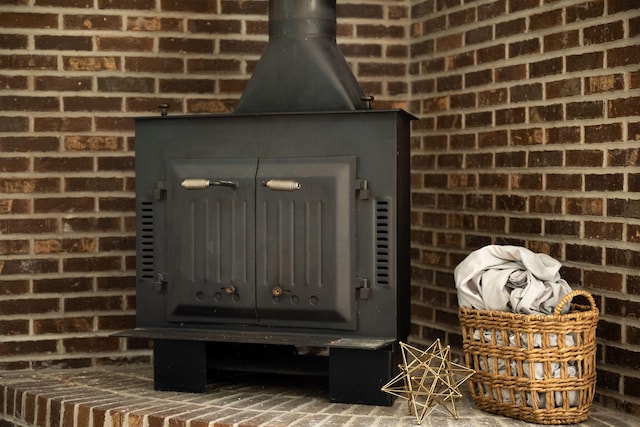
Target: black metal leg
(357, 375)
(180, 366)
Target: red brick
(28, 20)
(13, 41)
(585, 206)
(93, 264)
(62, 124)
(51, 246)
(154, 64)
(64, 204)
(29, 103)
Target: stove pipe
(302, 68)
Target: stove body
(277, 238)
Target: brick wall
(530, 135)
(73, 75)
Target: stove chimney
(302, 68)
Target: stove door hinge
(159, 191)
(160, 285)
(363, 287)
(362, 188)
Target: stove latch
(365, 289)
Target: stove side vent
(302, 68)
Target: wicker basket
(536, 368)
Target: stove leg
(180, 366)
(356, 375)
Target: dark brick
(491, 10)
(525, 225)
(625, 208)
(603, 230)
(584, 158)
(586, 61)
(584, 11)
(622, 257)
(563, 135)
(545, 204)
(481, 119)
(76, 43)
(546, 113)
(511, 73)
(546, 159)
(478, 35)
(527, 92)
(603, 33)
(478, 78)
(526, 137)
(126, 84)
(511, 203)
(493, 97)
(130, 4)
(29, 103)
(547, 67)
(498, 138)
(562, 228)
(585, 206)
(28, 20)
(511, 159)
(490, 54)
(564, 88)
(510, 116)
(511, 28)
(561, 40)
(568, 182)
(544, 20)
(624, 107)
(28, 62)
(526, 47)
(478, 161)
(585, 110)
(453, 82)
(13, 41)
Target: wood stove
(277, 238)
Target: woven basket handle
(568, 297)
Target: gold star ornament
(428, 379)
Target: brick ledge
(123, 396)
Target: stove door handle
(201, 184)
(282, 185)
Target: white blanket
(510, 278)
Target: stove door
(305, 242)
(211, 211)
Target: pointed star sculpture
(428, 379)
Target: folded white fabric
(510, 278)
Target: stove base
(356, 375)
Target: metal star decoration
(428, 379)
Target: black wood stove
(277, 238)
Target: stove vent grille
(147, 219)
(382, 242)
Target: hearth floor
(123, 396)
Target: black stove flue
(277, 240)
(302, 68)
